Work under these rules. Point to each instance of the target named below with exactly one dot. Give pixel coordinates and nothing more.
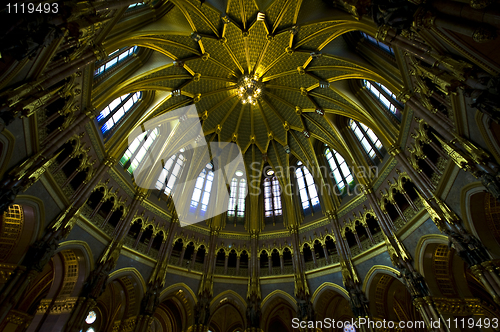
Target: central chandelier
(249, 89)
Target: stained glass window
(91, 317)
(202, 189)
(384, 95)
(272, 197)
(366, 137)
(137, 150)
(115, 58)
(236, 204)
(171, 172)
(116, 110)
(307, 189)
(339, 168)
(135, 5)
(382, 46)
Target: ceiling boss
(249, 89)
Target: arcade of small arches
(368, 186)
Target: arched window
(116, 57)
(339, 168)
(367, 138)
(377, 43)
(307, 189)
(272, 196)
(202, 189)
(138, 149)
(113, 113)
(171, 172)
(384, 96)
(236, 204)
(135, 5)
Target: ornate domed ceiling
(293, 51)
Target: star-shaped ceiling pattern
(282, 42)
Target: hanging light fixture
(249, 89)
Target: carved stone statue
(359, 302)
(253, 314)
(414, 282)
(468, 248)
(202, 311)
(491, 183)
(486, 103)
(306, 311)
(150, 302)
(395, 13)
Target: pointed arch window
(202, 189)
(380, 45)
(115, 59)
(236, 204)
(307, 189)
(137, 150)
(384, 96)
(370, 142)
(171, 172)
(339, 168)
(272, 196)
(116, 110)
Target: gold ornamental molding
(128, 271)
(329, 285)
(460, 307)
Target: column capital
(110, 161)
(394, 150)
(383, 32)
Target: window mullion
(306, 187)
(391, 99)
(200, 203)
(372, 144)
(164, 185)
(340, 170)
(132, 157)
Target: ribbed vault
(210, 46)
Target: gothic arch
(331, 301)
(278, 292)
(227, 316)
(373, 272)
(173, 315)
(170, 290)
(133, 271)
(443, 270)
(390, 299)
(490, 132)
(25, 217)
(7, 143)
(480, 216)
(423, 242)
(329, 285)
(184, 300)
(278, 309)
(60, 282)
(228, 296)
(132, 282)
(84, 251)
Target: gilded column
(350, 278)
(151, 299)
